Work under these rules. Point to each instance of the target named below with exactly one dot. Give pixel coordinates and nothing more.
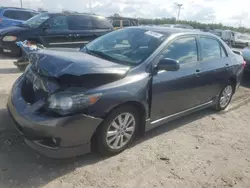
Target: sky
(227, 12)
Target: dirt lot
(205, 150)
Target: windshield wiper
(101, 55)
(104, 56)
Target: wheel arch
(142, 110)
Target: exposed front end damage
(50, 132)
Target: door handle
(227, 65)
(197, 73)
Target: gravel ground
(205, 149)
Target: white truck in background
(241, 40)
(226, 35)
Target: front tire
(225, 97)
(118, 130)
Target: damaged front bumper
(56, 137)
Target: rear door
(214, 67)
(174, 92)
(58, 33)
(81, 30)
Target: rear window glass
(116, 23)
(18, 15)
(210, 48)
(59, 22)
(79, 22)
(126, 23)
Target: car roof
(170, 31)
(74, 13)
(16, 8)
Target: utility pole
(240, 23)
(21, 1)
(90, 5)
(179, 10)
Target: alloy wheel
(226, 96)
(120, 131)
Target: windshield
(37, 20)
(130, 45)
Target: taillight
(1, 19)
(244, 63)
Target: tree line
(194, 24)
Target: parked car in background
(120, 22)
(241, 40)
(10, 16)
(123, 83)
(246, 55)
(71, 30)
(227, 36)
(183, 26)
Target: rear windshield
(18, 14)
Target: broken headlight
(66, 103)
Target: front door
(174, 92)
(57, 34)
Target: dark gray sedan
(123, 83)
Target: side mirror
(168, 64)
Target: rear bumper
(56, 137)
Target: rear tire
(225, 97)
(114, 134)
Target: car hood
(12, 30)
(55, 63)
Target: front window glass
(37, 20)
(130, 46)
(184, 50)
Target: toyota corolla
(119, 85)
